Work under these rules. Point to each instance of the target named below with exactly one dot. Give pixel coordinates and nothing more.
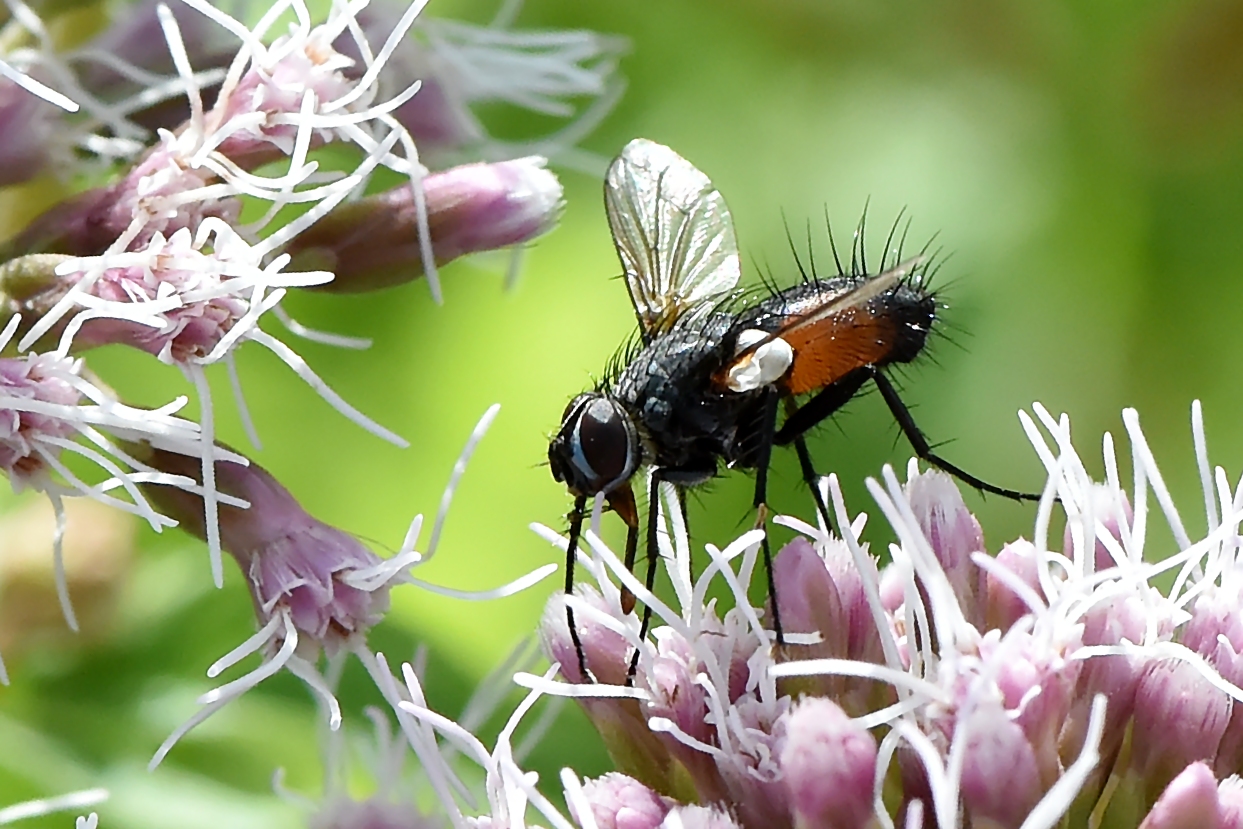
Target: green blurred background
(1081, 162)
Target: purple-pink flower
(951, 689)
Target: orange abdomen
(829, 350)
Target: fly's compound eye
(597, 447)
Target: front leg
(649, 581)
(766, 433)
(677, 477)
(571, 552)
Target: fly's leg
(812, 478)
(571, 550)
(799, 420)
(825, 402)
(920, 444)
(763, 456)
(653, 513)
(809, 471)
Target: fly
(703, 387)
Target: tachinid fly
(703, 386)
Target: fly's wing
(673, 233)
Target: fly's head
(597, 447)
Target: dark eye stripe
(580, 459)
(603, 439)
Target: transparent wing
(673, 233)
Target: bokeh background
(1080, 164)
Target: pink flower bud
(749, 767)
(809, 599)
(1001, 781)
(954, 534)
(1037, 683)
(675, 693)
(1189, 802)
(622, 725)
(862, 637)
(824, 594)
(621, 802)
(258, 117)
(1215, 631)
(606, 652)
(293, 563)
(1114, 675)
(1214, 617)
(827, 763)
(191, 329)
(1005, 607)
(1179, 718)
(373, 243)
(90, 222)
(1111, 509)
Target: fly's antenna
(837, 260)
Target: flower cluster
(158, 260)
(1054, 684)
(213, 196)
(1035, 688)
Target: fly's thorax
(674, 368)
(688, 421)
(597, 447)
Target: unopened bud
(621, 802)
(373, 243)
(994, 743)
(1179, 718)
(828, 763)
(1189, 802)
(293, 562)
